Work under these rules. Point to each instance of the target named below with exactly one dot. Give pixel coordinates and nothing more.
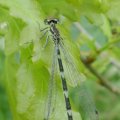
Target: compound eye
(56, 21)
(46, 21)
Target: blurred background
(93, 26)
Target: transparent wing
(51, 100)
(72, 73)
(76, 79)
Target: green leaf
(114, 9)
(27, 67)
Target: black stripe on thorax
(54, 30)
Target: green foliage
(89, 27)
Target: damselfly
(87, 103)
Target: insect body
(56, 39)
(88, 106)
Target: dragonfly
(87, 103)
